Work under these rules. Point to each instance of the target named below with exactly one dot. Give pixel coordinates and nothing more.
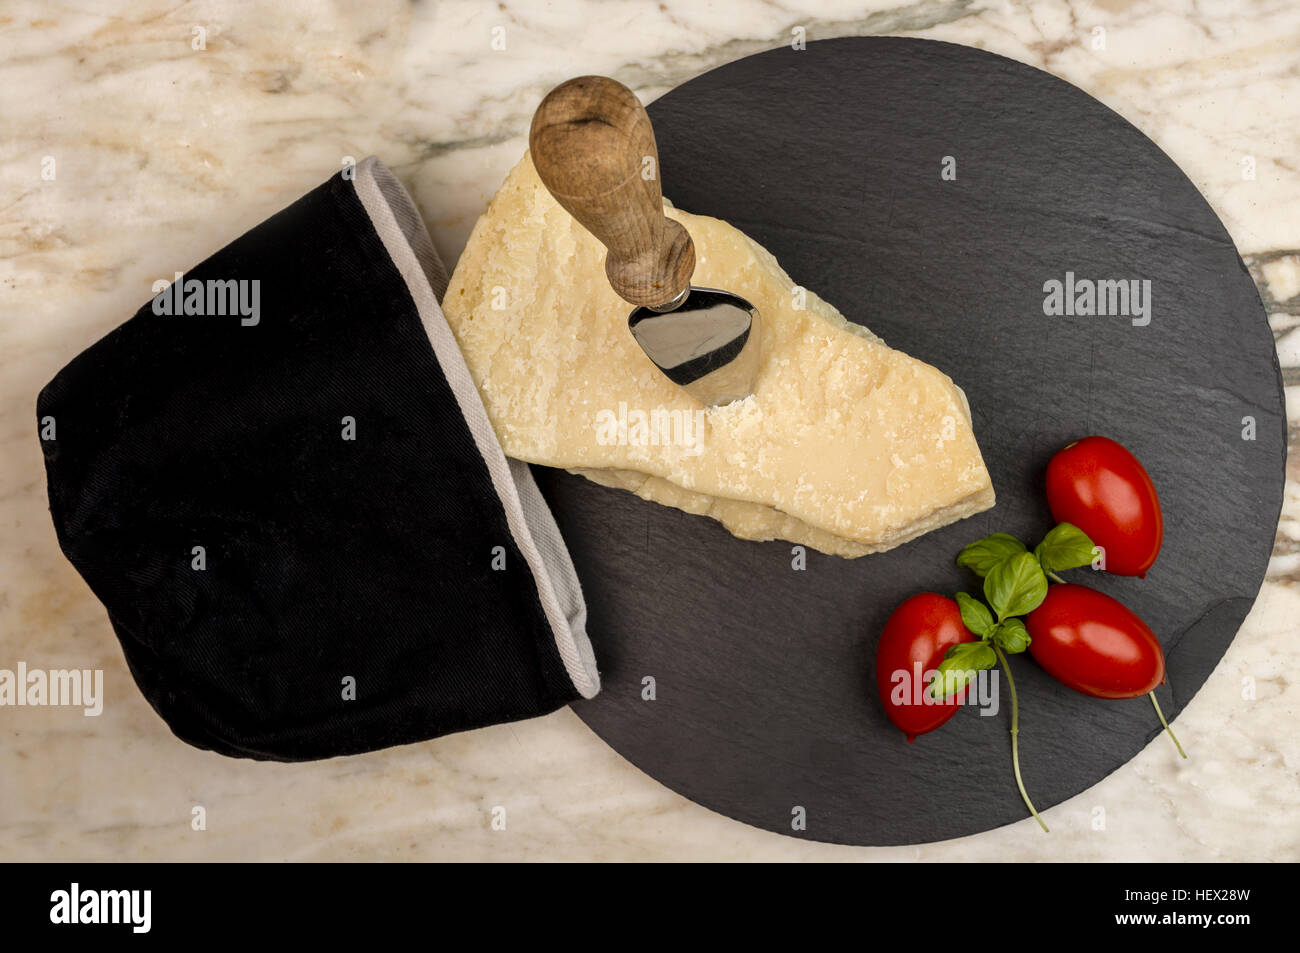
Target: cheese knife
(594, 149)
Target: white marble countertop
(164, 152)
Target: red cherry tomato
(1097, 485)
(911, 646)
(1094, 644)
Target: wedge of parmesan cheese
(846, 445)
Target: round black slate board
(831, 158)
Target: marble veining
(137, 137)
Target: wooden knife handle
(594, 148)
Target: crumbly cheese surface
(846, 445)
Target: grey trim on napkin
(398, 223)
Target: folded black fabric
(280, 480)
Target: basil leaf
(1015, 586)
(982, 555)
(1011, 636)
(976, 615)
(1065, 547)
(959, 666)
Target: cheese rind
(846, 445)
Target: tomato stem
(1015, 730)
(1161, 716)
(1054, 577)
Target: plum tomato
(1094, 644)
(912, 644)
(1099, 486)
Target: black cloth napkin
(279, 478)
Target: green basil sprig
(1015, 584)
(1065, 547)
(983, 554)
